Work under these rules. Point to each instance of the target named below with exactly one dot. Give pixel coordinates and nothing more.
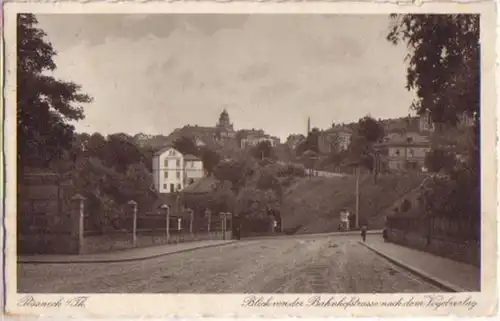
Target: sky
(155, 73)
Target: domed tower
(224, 127)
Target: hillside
(312, 205)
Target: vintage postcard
(246, 159)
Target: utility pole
(357, 196)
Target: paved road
(319, 265)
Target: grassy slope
(313, 204)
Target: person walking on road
(363, 232)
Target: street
(332, 264)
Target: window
(165, 186)
(166, 163)
(178, 163)
(179, 187)
(172, 188)
(410, 151)
(397, 152)
(192, 165)
(178, 174)
(165, 173)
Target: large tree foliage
(444, 71)
(443, 63)
(310, 143)
(370, 129)
(262, 150)
(44, 104)
(186, 145)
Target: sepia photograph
(250, 153)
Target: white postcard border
(220, 305)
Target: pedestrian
(384, 234)
(363, 232)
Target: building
(403, 152)
(224, 127)
(172, 171)
(193, 169)
(252, 137)
(337, 138)
(464, 120)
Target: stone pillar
(76, 226)
(133, 204)
(166, 208)
(179, 224)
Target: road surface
(334, 264)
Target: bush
(405, 206)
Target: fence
(146, 229)
(50, 221)
(457, 238)
(450, 228)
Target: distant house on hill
(172, 170)
(252, 137)
(404, 152)
(337, 138)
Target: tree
(210, 160)
(310, 143)
(444, 72)
(120, 152)
(186, 145)
(443, 63)
(439, 159)
(262, 150)
(44, 104)
(370, 129)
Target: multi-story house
(404, 152)
(172, 170)
(337, 138)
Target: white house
(193, 169)
(172, 170)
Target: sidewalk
(451, 275)
(123, 255)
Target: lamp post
(166, 208)
(357, 170)
(134, 221)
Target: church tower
(224, 127)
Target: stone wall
(467, 251)
(44, 224)
(123, 240)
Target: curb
(299, 236)
(423, 275)
(138, 258)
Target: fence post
(223, 215)
(191, 217)
(77, 224)
(208, 213)
(134, 221)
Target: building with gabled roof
(172, 171)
